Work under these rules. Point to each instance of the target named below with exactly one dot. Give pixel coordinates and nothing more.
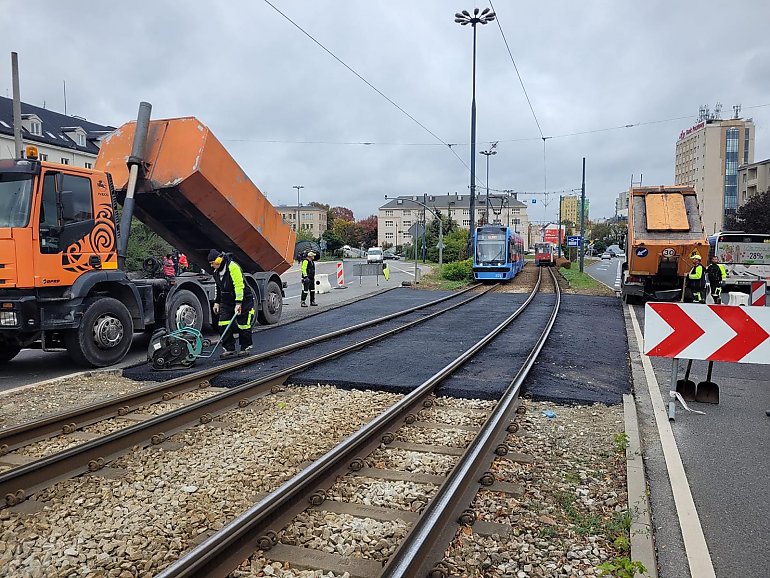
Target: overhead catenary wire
(369, 84)
(463, 144)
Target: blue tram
(498, 253)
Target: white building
(398, 215)
(69, 140)
(708, 155)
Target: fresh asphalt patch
(585, 359)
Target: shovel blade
(686, 388)
(708, 392)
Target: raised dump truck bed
(664, 230)
(196, 196)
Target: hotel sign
(692, 129)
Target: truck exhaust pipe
(135, 162)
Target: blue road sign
(641, 251)
(573, 241)
(534, 201)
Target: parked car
(607, 256)
(620, 255)
(374, 255)
(388, 255)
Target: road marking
(695, 546)
(618, 275)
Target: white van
(374, 255)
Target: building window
(388, 235)
(35, 128)
(746, 145)
(43, 157)
(388, 212)
(517, 221)
(89, 166)
(466, 223)
(388, 223)
(65, 161)
(731, 171)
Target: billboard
(551, 234)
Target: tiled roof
(53, 125)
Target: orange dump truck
(62, 281)
(664, 230)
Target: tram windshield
(490, 247)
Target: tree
(348, 231)
(143, 243)
(368, 230)
(342, 213)
(333, 241)
(754, 216)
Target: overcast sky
(253, 77)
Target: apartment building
(68, 140)
(570, 209)
(396, 217)
(708, 155)
(312, 220)
(753, 179)
(621, 205)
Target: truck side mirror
(67, 206)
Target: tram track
(18, 483)
(418, 553)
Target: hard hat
(311, 254)
(696, 256)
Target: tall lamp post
(464, 18)
(488, 154)
(298, 187)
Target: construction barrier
(737, 298)
(340, 276)
(758, 291)
(322, 284)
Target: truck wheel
(104, 336)
(8, 351)
(185, 310)
(271, 306)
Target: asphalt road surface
(607, 271)
(34, 365)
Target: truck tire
(270, 313)
(184, 310)
(8, 351)
(104, 336)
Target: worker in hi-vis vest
(308, 279)
(696, 281)
(233, 298)
(716, 273)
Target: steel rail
(19, 483)
(257, 527)
(433, 532)
(67, 422)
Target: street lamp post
(440, 235)
(488, 154)
(298, 187)
(464, 18)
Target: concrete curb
(642, 546)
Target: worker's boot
(303, 304)
(313, 304)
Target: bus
(498, 253)
(746, 256)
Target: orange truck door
(76, 230)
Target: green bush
(458, 271)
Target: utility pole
(425, 225)
(16, 105)
(298, 187)
(561, 198)
(583, 217)
(488, 153)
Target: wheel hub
(108, 332)
(185, 316)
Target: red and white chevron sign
(758, 291)
(708, 332)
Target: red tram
(544, 254)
